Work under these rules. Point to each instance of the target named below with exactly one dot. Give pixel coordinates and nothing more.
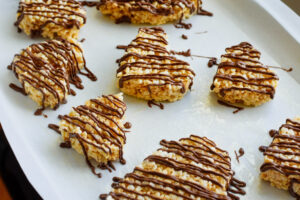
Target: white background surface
(63, 174)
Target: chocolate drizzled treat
(192, 168)
(150, 12)
(148, 71)
(46, 70)
(242, 78)
(51, 18)
(96, 129)
(281, 165)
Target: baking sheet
(63, 174)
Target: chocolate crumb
(103, 196)
(39, 111)
(212, 61)
(66, 144)
(184, 37)
(127, 125)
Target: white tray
(63, 174)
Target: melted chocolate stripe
(85, 111)
(200, 190)
(191, 169)
(188, 148)
(72, 120)
(86, 156)
(160, 182)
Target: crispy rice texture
(241, 78)
(148, 71)
(51, 18)
(96, 128)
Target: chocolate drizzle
(181, 24)
(52, 74)
(54, 127)
(122, 47)
(152, 102)
(186, 53)
(160, 61)
(247, 64)
(17, 88)
(90, 3)
(109, 166)
(223, 103)
(241, 153)
(212, 61)
(282, 68)
(66, 145)
(109, 109)
(199, 150)
(63, 14)
(236, 188)
(284, 152)
(273, 132)
(201, 11)
(154, 7)
(39, 111)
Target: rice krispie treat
(281, 165)
(46, 70)
(242, 78)
(192, 168)
(148, 71)
(96, 129)
(51, 18)
(150, 12)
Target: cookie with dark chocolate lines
(148, 70)
(242, 78)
